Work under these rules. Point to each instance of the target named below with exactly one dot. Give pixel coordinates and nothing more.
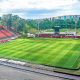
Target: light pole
(75, 26)
(38, 28)
(66, 27)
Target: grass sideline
(63, 53)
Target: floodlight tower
(66, 27)
(75, 19)
(38, 28)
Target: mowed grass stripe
(25, 52)
(12, 49)
(33, 52)
(42, 53)
(15, 50)
(63, 56)
(58, 54)
(29, 49)
(52, 52)
(45, 54)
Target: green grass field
(64, 53)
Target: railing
(57, 36)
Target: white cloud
(47, 4)
(10, 5)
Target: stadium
(57, 50)
(6, 35)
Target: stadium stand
(6, 32)
(6, 35)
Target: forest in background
(23, 26)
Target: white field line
(27, 64)
(2, 59)
(12, 61)
(17, 62)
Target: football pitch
(63, 53)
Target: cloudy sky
(39, 8)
